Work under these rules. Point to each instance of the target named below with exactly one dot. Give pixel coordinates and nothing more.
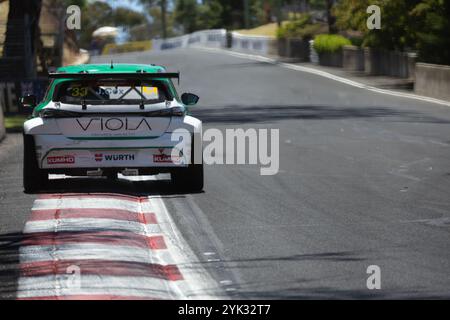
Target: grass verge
(268, 30)
(15, 123)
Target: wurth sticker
(65, 159)
(114, 157)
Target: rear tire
(190, 179)
(33, 177)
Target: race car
(105, 119)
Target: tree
(93, 16)
(398, 29)
(330, 16)
(19, 12)
(186, 14)
(433, 31)
(23, 17)
(163, 8)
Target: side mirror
(189, 99)
(29, 101)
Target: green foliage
(186, 14)
(93, 16)
(356, 41)
(421, 25)
(66, 3)
(209, 15)
(302, 27)
(318, 4)
(193, 16)
(397, 26)
(128, 18)
(155, 28)
(433, 31)
(351, 14)
(330, 43)
(15, 123)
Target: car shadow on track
(9, 264)
(238, 114)
(117, 186)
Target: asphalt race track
(364, 180)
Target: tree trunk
(330, 17)
(18, 9)
(278, 4)
(163, 5)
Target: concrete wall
(295, 49)
(433, 80)
(353, 58)
(209, 38)
(254, 44)
(331, 59)
(389, 63)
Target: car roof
(106, 68)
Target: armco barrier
(433, 80)
(210, 38)
(256, 44)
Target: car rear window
(112, 92)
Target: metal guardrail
(210, 38)
(258, 44)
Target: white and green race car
(101, 120)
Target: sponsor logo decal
(165, 158)
(114, 157)
(112, 124)
(66, 159)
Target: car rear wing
(116, 75)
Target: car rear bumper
(59, 153)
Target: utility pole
(246, 15)
(278, 4)
(163, 5)
(330, 17)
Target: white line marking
(328, 75)
(198, 283)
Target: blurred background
(364, 153)
(35, 38)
